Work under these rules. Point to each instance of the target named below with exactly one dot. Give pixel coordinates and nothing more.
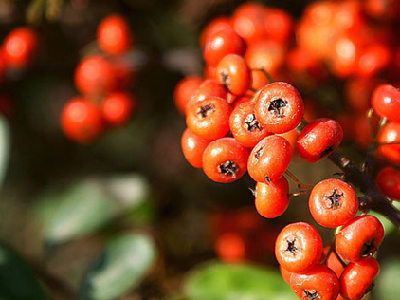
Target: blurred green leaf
(17, 281)
(217, 281)
(4, 147)
(123, 263)
(386, 284)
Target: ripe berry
(209, 88)
(234, 74)
(221, 43)
(95, 75)
(231, 247)
(390, 133)
(333, 262)
(319, 139)
(285, 274)
(279, 107)
(184, 91)
(278, 24)
(81, 120)
(272, 198)
(244, 126)
(248, 22)
(209, 118)
(298, 247)
(386, 102)
(114, 35)
(357, 278)
(373, 59)
(359, 238)
(117, 107)
(317, 283)
(388, 181)
(333, 203)
(193, 148)
(20, 46)
(224, 160)
(214, 26)
(269, 159)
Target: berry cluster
(102, 79)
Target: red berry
(269, 159)
(272, 198)
(390, 133)
(333, 203)
(298, 247)
(231, 247)
(286, 275)
(279, 107)
(357, 278)
(359, 238)
(184, 91)
(193, 148)
(209, 88)
(214, 26)
(20, 46)
(224, 160)
(388, 181)
(114, 35)
(81, 120)
(248, 21)
(319, 139)
(386, 102)
(278, 24)
(117, 107)
(333, 262)
(374, 59)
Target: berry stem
(267, 75)
(298, 181)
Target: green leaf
(386, 283)
(217, 281)
(4, 147)
(17, 281)
(125, 260)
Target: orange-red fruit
(272, 198)
(390, 133)
(298, 247)
(231, 247)
(278, 24)
(333, 263)
(386, 102)
(224, 160)
(114, 35)
(209, 88)
(265, 54)
(388, 181)
(193, 148)
(248, 21)
(81, 120)
(184, 91)
(117, 107)
(333, 203)
(20, 46)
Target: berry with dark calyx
(272, 198)
(319, 139)
(388, 181)
(184, 91)
(193, 148)
(359, 238)
(298, 247)
(224, 160)
(333, 203)
(269, 159)
(279, 107)
(386, 102)
(117, 107)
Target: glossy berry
(214, 26)
(224, 160)
(20, 46)
(208, 88)
(114, 35)
(357, 278)
(386, 102)
(390, 133)
(298, 247)
(269, 159)
(248, 22)
(234, 74)
(319, 139)
(333, 203)
(184, 91)
(286, 275)
(209, 119)
(117, 107)
(81, 120)
(272, 198)
(317, 283)
(333, 262)
(279, 107)
(359, 238)
(244, 126)
(388, 181)
(193, 148)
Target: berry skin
(231, 247)
(81, 120)
(272, 198)
(388, 181)
(357, 278)
(318, 283)
(117, 107)
(209, 88)
(234, 74)
(221, 43)
(269, 159)
(114, 35)
(224, 160)
(209, 119)
(279, 107)
(278, 24)
(214, 26)
(286, 275)
(244, 126)
(184, 91)
(333, 263)
(386, 102)
(193, 148)
(248, 22)
(359, 238)
(390, 133)
(298, 247)
(95, 75)
(319, 139)
(20, 46)
(333, 203)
